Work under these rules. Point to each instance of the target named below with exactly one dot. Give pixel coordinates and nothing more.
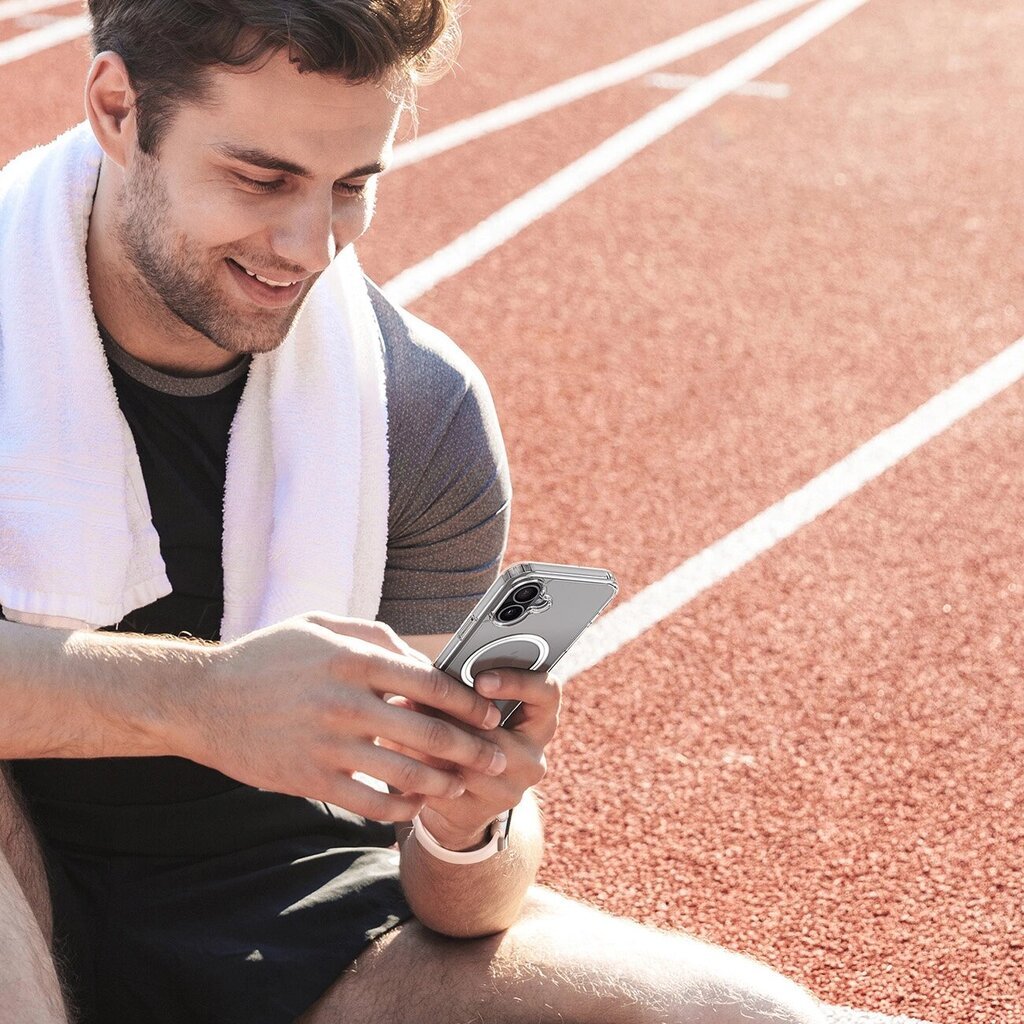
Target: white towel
(306, 499)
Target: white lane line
(515, 111)
(684, 45)
(10, 9)
(43, 38)
(37, 20)
(844, 1015)
(781, 520)
(767, 90)
(507, 222)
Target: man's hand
(459, 822)
(298, 708)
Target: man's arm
(469, 900)
(466, 900)
(294, 708)
(77, 693)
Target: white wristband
(498, 841)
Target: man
(189, 831)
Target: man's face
(273, 178)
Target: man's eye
(345, 187)
(259, 186)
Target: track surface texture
(818, 759)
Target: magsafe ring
(531, 638)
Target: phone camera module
(526, 594)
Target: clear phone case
(528, 619)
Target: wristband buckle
(497, 841)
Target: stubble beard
(176, 274)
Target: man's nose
(304, 235)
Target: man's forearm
(468, 900)
(76, 693)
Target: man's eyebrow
(260, 158)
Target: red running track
(817, 761)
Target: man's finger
(539, 692)
(439, 739)
(409, 775)
(372, 803)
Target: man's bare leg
(562, 962)
(18, 844)
(29, 989)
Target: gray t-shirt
(450, 488)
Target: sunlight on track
(507, 222)
(27, 43)
(628, 621)
(703, 37)
(10, 9)
(844, 1015)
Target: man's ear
(110, 106)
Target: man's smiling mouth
(264, 290)
(266, 280)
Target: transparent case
(528, 619)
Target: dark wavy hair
(168, 45)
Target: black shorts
(252, 928)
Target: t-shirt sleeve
(450, 493)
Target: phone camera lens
(526, 594)
(510, 613)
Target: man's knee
(686, 978)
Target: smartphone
(532, 614)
